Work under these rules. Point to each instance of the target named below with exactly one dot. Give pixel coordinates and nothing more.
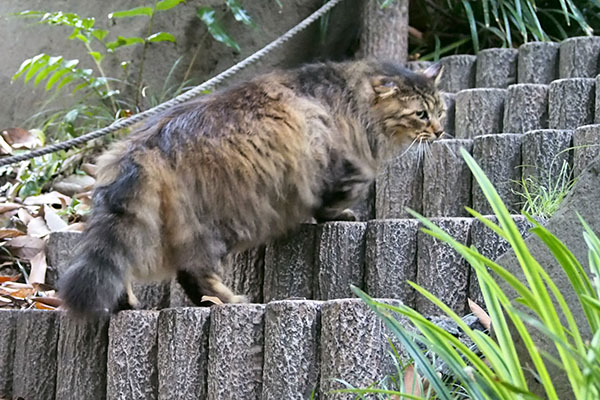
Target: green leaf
(134, 12)
(56, 77)
(167, 4)
(97, 56)
(99, 34)
(207, 15)
(122, 41)
(239, 13)
(36, 66)
(161, 37)
(472, 25)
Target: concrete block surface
(132, 350)
(82, 355)
(543, 154)
(391, 259)
(586, 143)
(441, 270)
(579, 57)
(290, 265)
(492, 246)
(571, 103)
(183, 353)
(446, 179)
(400, 185)
(479, 112)
(499, 156)
(496, 68)
(244, 273)
(526, 108)
(538, 62)
(340, 258)
(291, 362)
(60, 248)
(235, 357)
(458, 73)
(8, 339)
(353, 347)
(34, 368)
(449, 119)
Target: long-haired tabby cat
(242, 166)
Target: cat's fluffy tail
(121, 237)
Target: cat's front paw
(346, 215)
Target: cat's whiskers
(409, 147)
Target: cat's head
(408, 105)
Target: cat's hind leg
(199, 283)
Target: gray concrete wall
(23, 38)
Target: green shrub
(499, 373)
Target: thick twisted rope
(209, 84)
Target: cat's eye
(422, 114)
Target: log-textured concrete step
(320, 262)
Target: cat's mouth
(426, 137)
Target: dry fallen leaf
(54, 222)
(76, 227)
(25, 246)
(41, 306)
(20, 138)
(50, 301)
(24, 215)
(50, 198)
(412, 381)
(6, 233)
(74, 184)
(19, 294)
(37, 227)
(89, 169)
(8, 206)
(5, 300)
(38, 268)
(208, 301)
(12, 278)
(5, 147)
(480, 313)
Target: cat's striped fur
(242, 166)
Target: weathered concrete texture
(177, 297)
(340, 259)
(571, 103)
(152, 296)
(526, 108)
(538, 62)
(479, 112)
(496, 68)
(446, 179)
(597, 102)
(586, 143)
(353, 347)
(391, 44)
(235, 357)
(132, 349)
(400, 185)
(448, 122)
(499, 156)
(391, 259)
(584, 199)
(183, 353)
(579, 57)
(458, 73)
(292, 332)
(243, 273)
(8, 336)
(441, 270)
(34, 369)
(82, 348)
(60, 248)
(290, 265)
(543, 153)
(490, 245)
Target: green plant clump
(499, 372)
(441, 27)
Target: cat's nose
(438, 133)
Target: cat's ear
(384, 87)
(434, 71)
